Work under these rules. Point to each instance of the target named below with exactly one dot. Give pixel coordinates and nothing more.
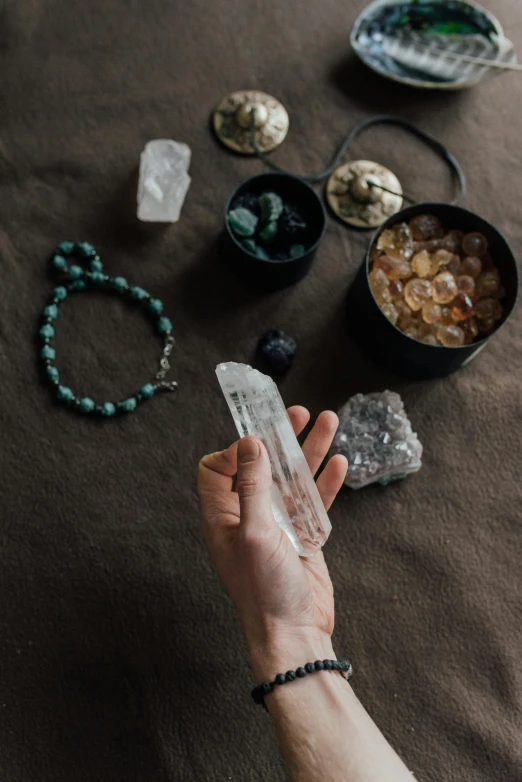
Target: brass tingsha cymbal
(231, 120)
(358, 193)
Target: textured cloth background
(120, 657)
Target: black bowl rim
(434, 204)
(310, 249)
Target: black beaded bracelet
(343, 666)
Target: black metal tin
(272, 274)
(386, 343)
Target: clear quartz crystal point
(258, 409)
(164, 180)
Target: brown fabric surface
(120, 657)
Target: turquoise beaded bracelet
(81, 267)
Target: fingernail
(248, 450)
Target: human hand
(283, 601)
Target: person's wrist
(288, 649)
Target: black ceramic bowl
(273, 274)
(386, 343)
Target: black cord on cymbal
(387, 190)
(381, 119)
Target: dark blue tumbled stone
(278, 349)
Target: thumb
(253, 484)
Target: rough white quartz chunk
(164, 180)
(257, 409)
(376, 436)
